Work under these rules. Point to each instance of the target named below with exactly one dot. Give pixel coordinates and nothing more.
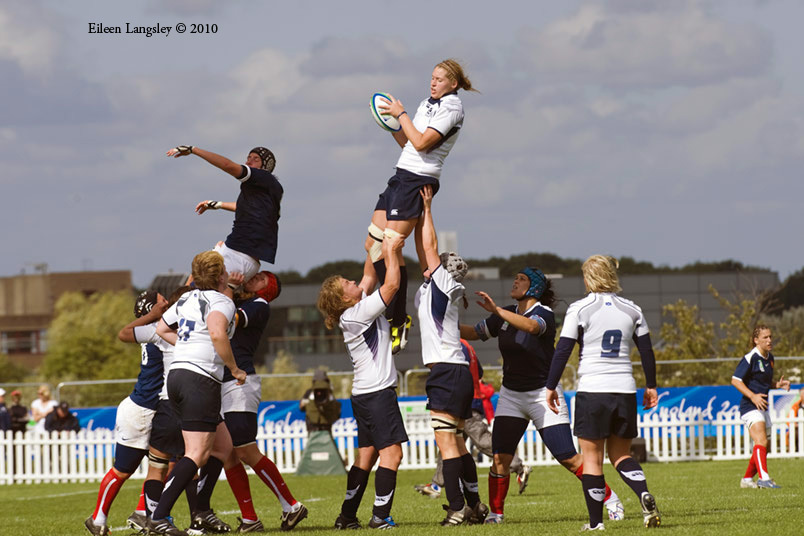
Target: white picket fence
(87, 455)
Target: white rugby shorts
(244, 397)
(755, 416)
(532, 405)
(133, 424)
(236, 261)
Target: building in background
(27, 302)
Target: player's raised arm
(220, 162)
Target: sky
(670, 132)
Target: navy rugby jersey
(252, 317)
(149, 380)
(256, 223)
(756, 372)
(526, 357)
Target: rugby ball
(386, 121)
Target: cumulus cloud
(28, 36)
(644, 45)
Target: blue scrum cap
(538, 282)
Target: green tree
(346, 268)
(687, 336)
(290, 277)
(83, 345)
(791, 293)
(10, 371)
(788, 331)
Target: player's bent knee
(444, 423)
(158, 462)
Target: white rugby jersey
(444, 115)
(367, 335)
(144, 335)
(604, 325)
(437, 303)
(194, 350)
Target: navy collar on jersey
(431, 100)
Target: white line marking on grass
(314, 499)
(57, 495)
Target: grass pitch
(699, 498)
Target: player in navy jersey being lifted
(450, 387)
(526, 333)
(606, 326)
(426, 140)
(754, 378)
(358, 310)
(254, 235)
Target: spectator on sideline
(5, 416)
(19, 413)
(61, 419)
(42, 406)
(319, 405)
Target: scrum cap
(145, 302)
(267, 157)
(272, 290)
(538, 282)
(455, 265)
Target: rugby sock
(469, 480)
(453, 468)
(152, 489)
(498, 489)
(182, 474)
(268, 473)
(191, 492)
(109, 487)
(594, 490)
(632, 474)
(384, 486)
(140, 509)
(210, 474)
(400, 299)
(752, 466)
(609, 492)
(761, 456)
(356, 482)
(379, 267)
(238, 481)
(396, 312)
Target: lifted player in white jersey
(605, 325)
(426, 140)
(450, 387)
(255, 229)
(358, 310)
